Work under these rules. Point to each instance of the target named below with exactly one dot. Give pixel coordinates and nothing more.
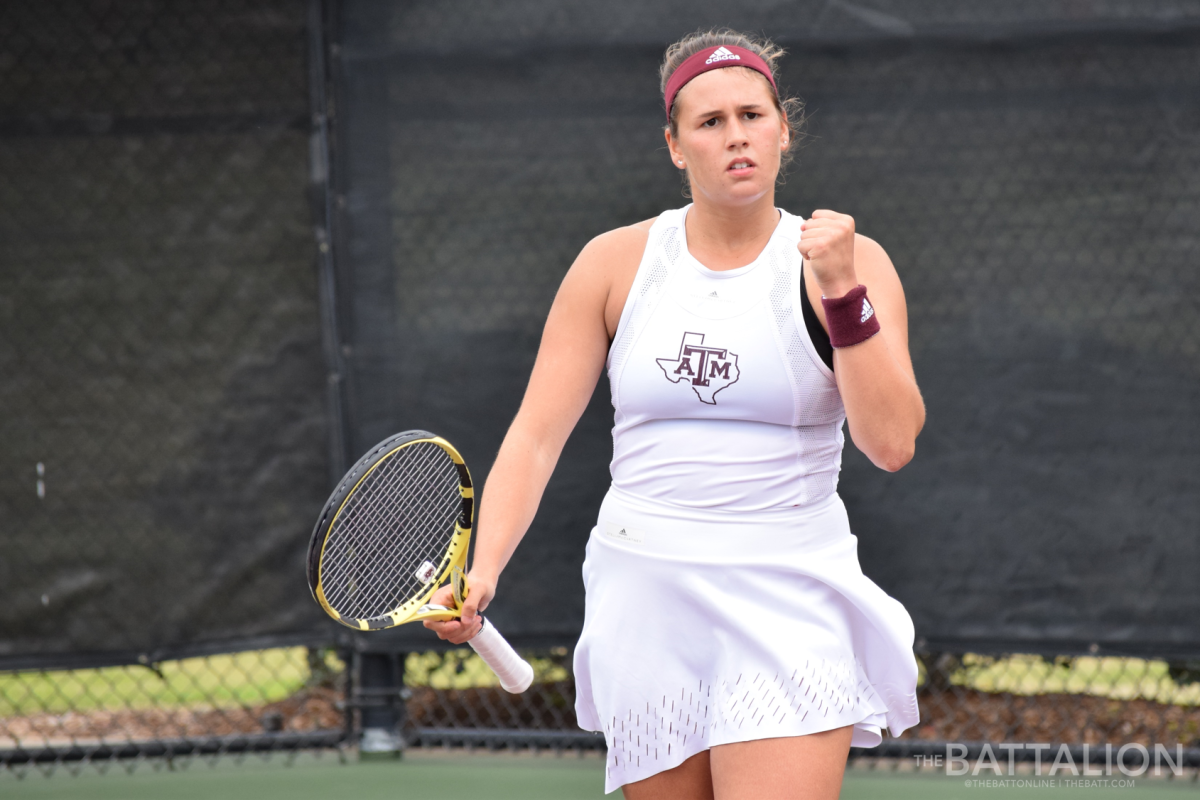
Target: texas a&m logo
(707, 369)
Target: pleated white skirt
(703, 628)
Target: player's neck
(727, 237)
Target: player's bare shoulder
(618, 250)
(618, 254)
(606, 267)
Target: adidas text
(721, 54)
(867, 311)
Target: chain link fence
(283, 699)
(160, 348)
(259, 701)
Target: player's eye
(710, 123)
(752, 115)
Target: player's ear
(676, 156)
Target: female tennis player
(732, 646)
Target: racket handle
(514, 672)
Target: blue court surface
(437, 775)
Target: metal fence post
(379, 695)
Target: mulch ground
(957, 715)
(307, 710)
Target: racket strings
(372, 507)
(401, 519)
(425, 538)
(400, 516)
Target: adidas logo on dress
(721, 54)
(867, 311)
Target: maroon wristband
(851, 318)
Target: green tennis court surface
(436, 775)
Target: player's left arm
(884, 409)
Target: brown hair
(791, 109)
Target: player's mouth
(741, 167)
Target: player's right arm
(572, 354)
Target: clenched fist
(827, 242)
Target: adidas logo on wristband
(850, 318)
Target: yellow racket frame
(453, 564)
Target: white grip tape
(514, 672)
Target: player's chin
(738, 191)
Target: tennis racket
(393, 531)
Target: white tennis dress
(725, 601)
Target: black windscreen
(1034, 175)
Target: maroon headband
(726, 55)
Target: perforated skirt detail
(705, 628)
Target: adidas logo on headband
(721, 54)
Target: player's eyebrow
(744, 107)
